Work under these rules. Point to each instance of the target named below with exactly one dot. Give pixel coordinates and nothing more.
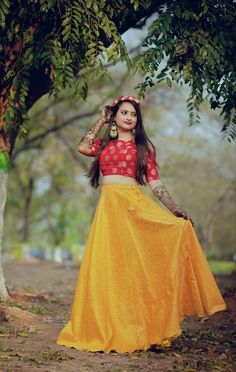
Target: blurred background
(50, 204)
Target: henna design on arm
(85, 144)
(161, 192)
(89, 137)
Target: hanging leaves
(4, 10)
(196, 42)
(64, 39)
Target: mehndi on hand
(163, 195)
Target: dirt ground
(42, 294)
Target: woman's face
(126, 117)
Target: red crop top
(119, 157)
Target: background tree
(185, 156)
(45, 43)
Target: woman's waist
(123, 187)
(119, 179)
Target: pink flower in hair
(126, 98)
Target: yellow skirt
(142, 272)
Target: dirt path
(43, 294)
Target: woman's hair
(143, 143)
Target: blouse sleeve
(95, 146)
(152, 171)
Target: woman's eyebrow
(128, 110)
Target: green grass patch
(38, 309)
(59, 355)
(14, 304)
(223, 267)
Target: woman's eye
(125, 112)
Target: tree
(46, 45)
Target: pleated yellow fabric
(142, 272)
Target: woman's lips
(128, 122)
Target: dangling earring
(133, 131)
(113, 131)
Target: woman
(143, 268)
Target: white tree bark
(3, 195)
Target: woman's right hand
(105, 114)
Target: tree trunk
(207, 230)
(25, 228)
(3, 195)
(7, 142)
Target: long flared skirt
(143, 271)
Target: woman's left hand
(179, 212)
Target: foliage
(4, 161)
(198, 42)
(38, 309)
(224, 267)
(71, 39)
(64, 39)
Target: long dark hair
(142, 141)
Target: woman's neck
(125, 136)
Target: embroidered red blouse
(119, 157)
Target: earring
(113, 131)
(133, 131)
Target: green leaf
(4, 161)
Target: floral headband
(125, 98)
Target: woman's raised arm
(85, 144)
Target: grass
(38, 309)
(222, 267)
